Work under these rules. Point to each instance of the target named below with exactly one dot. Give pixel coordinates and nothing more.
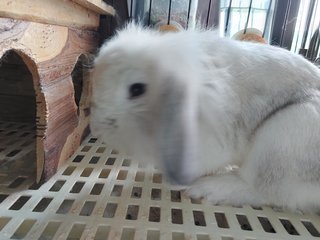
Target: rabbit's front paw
(226, 189)
(210, 189)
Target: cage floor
(101, 194)
(17, 156)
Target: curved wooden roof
(83, 14)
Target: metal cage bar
(169, 11)
(188, 15)
(248, 17)
(267, 18)
(149, 13)
(208, 14)
(282, 15)
(228, 17)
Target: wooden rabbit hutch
(46, 47)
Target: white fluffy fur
(213, 102)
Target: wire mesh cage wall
(183, 12)
(292, 24)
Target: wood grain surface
(58, 12)
(50, 53)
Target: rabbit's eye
(136, 90)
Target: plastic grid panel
(102, 194)
(17, 156)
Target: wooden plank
(11, 29)
(58, 68)
(57, 12)
(49, 42)
(43, 41)
(82, 129)
(97, 6)
(50, 52)
(65, 126)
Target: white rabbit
(198, 103)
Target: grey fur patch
(274, 108)
(237, 127)
(270, 173)
(311, 170)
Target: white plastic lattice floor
(101, 194)
(17, 156)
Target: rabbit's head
(145, 99)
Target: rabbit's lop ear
(177, 132)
